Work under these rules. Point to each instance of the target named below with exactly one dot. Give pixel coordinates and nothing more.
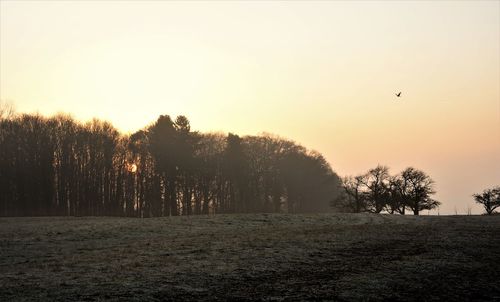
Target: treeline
(58, 166)
(377, 191)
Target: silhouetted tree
(489, 199)
(266, 186)
(235, 167)
(353, 196)
(186, 143)
(162, 146)
(310, 184)
(65, 163)
(209, 180)
(377, 188)
(398, 198)
(417, 193)
(141, 165)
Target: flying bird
(398, 94)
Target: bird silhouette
(398, 94)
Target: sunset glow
(321, 73)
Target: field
(271, 257)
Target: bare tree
(377, 185)
(418, 191)
(7, 110)
(353, 196)
(489, 199)
(397, 197)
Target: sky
(323, 74)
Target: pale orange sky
(321, 73)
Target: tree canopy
(59, 166)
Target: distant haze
(322, 73)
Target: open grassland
(345, 257)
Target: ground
(272, 257)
